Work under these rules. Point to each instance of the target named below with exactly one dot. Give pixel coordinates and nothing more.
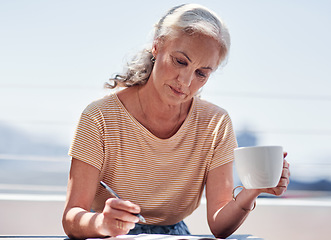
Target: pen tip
(141, 218)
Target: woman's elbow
(219, 230)
(66, 224)
(220, 233)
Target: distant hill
(14, 141)
(25, 163)
(321, 185)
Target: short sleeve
(225, 143)
(88, 143)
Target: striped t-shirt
(165, 177)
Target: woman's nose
(185, 78)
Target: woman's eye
(201, 74)
(181, 62)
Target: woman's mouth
(177, 91)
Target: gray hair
(188, 18)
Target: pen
(112, 192)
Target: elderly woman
(157, 144)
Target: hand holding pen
(112, 192)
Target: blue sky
(56, 55)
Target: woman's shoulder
(205, 107)
(105, 103)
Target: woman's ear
(155, 48)
(157, 44)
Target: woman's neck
(161, 119)
(153, 107)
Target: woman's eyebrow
(185, 55)
(209, 68)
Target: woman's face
(183, 65)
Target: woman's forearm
(79, 223)
(230, 217)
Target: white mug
(260, 166)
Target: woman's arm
(79, 222)
(223, 213)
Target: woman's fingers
(283, 182)
(123, 205)
(284, 154)
(119, 216)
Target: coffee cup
(260, 166)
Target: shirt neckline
(144, 129)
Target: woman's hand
(117, 217)
(283, 182)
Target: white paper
(157, 237)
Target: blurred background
(55, 57)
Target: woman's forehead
(194, 47)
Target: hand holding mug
(283, 182)
(263, 168)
